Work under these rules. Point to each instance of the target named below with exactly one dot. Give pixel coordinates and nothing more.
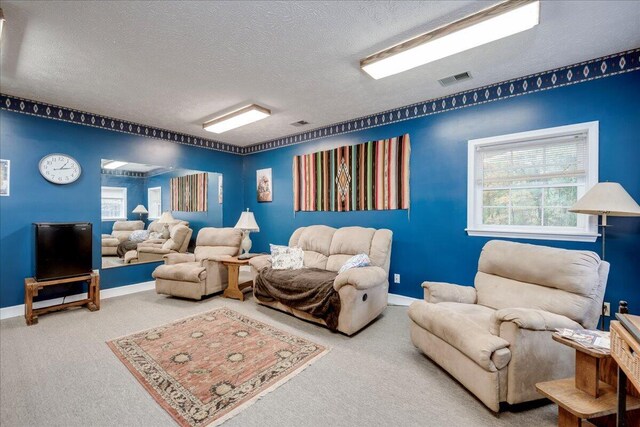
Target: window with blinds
(114, 203)
(527, 182)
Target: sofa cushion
(220, 237)
(316, 238)
(139, 236)
(184, 272)
(128, 225)
(464, 331)
(176, 238)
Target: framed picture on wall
(5, 177)
(264, 185)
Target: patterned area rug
(204, 369)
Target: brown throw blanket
(307, 289)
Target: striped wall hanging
(369, 176)
(189, 193)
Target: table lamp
(606, 199)
(140, 210)
(247, 223)
(165, 220)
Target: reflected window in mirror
(154, 195)
(114, 203)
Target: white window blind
(114, 203)
(533, 183)
(154, 196)
(522, 185)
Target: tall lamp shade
(606, 199)
(247, 223)
(140, 210)
(166, 219)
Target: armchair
(178, 241)
(121, 232)
(495, 338)
(201, 273)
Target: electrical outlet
(396, 278)
(606, 309)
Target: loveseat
(120, 232)
(362, 291)
(149, 250)
(495, 338)
(195, 275)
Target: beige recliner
(495, 338)
(363, 291)
(121, 232)
(178, 242)
(201, 273)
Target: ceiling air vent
(299, 123)
(448, 81)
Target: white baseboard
(18, 310)
(395, 299)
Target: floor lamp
(606, 199)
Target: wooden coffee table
(234, 289)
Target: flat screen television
(62, 249)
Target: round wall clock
(60, 168)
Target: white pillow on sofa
(360, 260)
(286, 258)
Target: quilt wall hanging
(189, 193)
(369, 176)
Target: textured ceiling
(176, 64)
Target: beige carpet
(112, 261)
(61, 373)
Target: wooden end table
(32, 287)
(591, 394)
(234, 289)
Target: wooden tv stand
(32, 287)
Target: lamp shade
(140, 209)
(166, 218)
(607, 198)
(247, 222)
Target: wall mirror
(142, 204)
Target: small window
(154, 194)
(114, 203)
(522, 185)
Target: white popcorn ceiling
(175, 65)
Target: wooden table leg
(622, 398)
(94, 293)
(587, 373)
(232, 290)
(567, 419)
(28, 305)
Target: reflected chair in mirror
(121, 232)
(201, 273)
(178, 242)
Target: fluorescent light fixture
(235, 119)
(496, 22)
(114, 164)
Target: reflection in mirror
(149, 211)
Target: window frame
(587, 233)
(159, 190)
(124, 211)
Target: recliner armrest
(215, 258)
(260, 262)
(176, 258)
(361, 278)
(435, 292)
(531, 319)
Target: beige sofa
(150, 250)
(201, 273)
(121, 232)
(363, 291)
(495, 338)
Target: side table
(32, 287)
(591, 394)
(234, 289)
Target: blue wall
(197, 220)
(430, 243)
(136, 195)
(26, 139)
